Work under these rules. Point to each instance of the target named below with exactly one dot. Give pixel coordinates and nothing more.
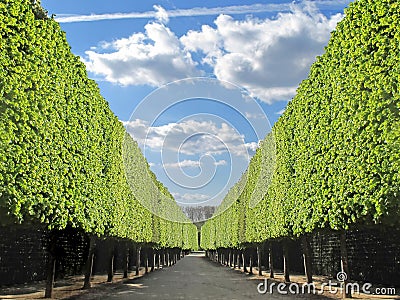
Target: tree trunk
(51, 270)
(111, 263)
(307, 258)
(137, 261)
(164, 257)
(244, 261)
(251, 261)
(89, 263)
(153, 260)
(259, 263)
(345, 265)
(126, 262)
(146, 261)
(51, 264)
(271, 261)
(286, 262)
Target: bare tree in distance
(198, 214)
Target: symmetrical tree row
(333, 158)
(65, 159)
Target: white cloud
(153, 58)
(220, 163)
(183, 164)
(250, 115)
(191, 137)
(280, 112)
(268, 57)
(207, 40)
(161, 14)
(193, 12)
(251, 146)
(195, 197)
(187, 163)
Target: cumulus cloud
(154, 58)
(191, 137)
(267, 57)
(161, 14)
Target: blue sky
(197, 83)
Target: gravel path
(193, 277)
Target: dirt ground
(194, 277)
(63, 289)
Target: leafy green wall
(337, 157)
(65, 159)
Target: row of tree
(332, 160)
(65, 158)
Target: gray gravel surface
(193, 277)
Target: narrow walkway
(194, 277)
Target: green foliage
(38, 10)
(208, 235)
(337, 157)
(65, 159)
(347, 132)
